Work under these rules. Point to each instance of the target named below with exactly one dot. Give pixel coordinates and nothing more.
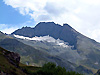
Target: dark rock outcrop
(2, 73)
(9, 63)
(13, 58)
(98, 72)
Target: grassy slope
(7, 67)
(29, 69)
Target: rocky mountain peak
(1, 32)
(67, 26)
(46, 25)
(56, 31)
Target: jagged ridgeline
(65, 47)
(65, 32)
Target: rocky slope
(9, 63)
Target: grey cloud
(44, 17)
(54, 10)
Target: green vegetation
(52, 69)
(47, 69)
(29, 70)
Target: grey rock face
(14, 58)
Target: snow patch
(96, 63)
(45, 38)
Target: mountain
(50, 42)
(39, 52)
(85, 48)
(50, 28)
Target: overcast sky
(82, 15)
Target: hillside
(10, 65)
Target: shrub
(51, 69)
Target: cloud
(43, 17)
(9, 28)
(83, 15)
(54, 10)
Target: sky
(82, 15)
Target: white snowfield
(45, 38)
